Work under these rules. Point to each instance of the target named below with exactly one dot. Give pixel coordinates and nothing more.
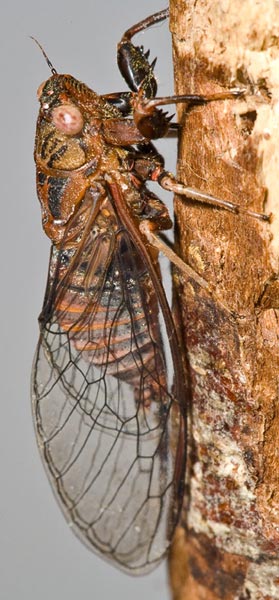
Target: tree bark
(228, 544)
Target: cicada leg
(157, 242)
(133, 61)
(150, 166)
(138, 73)
(153, 123)
(134, 66)
(185, 269)
(168, 182)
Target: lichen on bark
(228, 545)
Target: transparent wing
(107, 421)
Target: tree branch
(229, 149)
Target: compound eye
(67, 118)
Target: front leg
(133, 61)
(120, 100)
(153, 123)
(138, 73)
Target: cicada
(108, 386)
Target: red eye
(68, 119)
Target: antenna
(50, 65)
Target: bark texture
(228, 545)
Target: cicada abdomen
(108, 388)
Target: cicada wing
(107, 422)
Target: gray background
(40, 558)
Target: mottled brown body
(108, 384)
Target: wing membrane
(106, 419)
